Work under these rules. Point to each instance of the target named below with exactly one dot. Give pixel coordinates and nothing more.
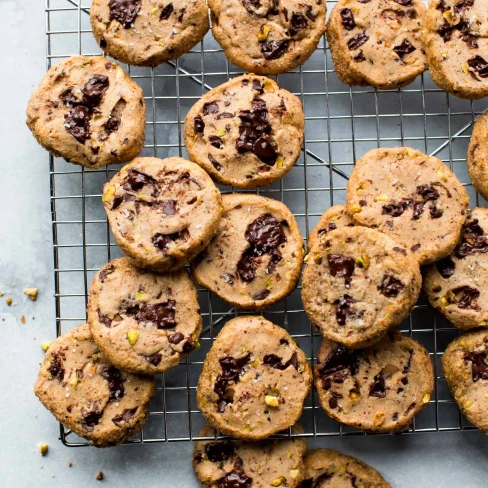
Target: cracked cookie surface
(162, 212)
(333, 218)
(148, 32)
(88, 111)
(267, 36)
(256, 257)
(254, 380)
(377, 42)
(357, 284)
(414, 198)
(89, 395)
(379, 388)
(477, 159)
(247, 132)
(143, 322)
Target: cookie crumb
(99, 476)
(22, 319)
(8, 301)
(31, 293)
(43, 448)
(2, 293)
(70, 464)
(45, 345)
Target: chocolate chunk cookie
(412, 197)
(329, 468)
(88, 111)
(455, 34)
(89, 395)
(357, 284)
(247, 132)
(254, 380)
(267, 36)
(456, 285)
(377, 389)
(256, 257)
(333, 218)
(377, 42)
(478, 156)
(162, 212)
(143, 322)
(465, 367)
(148, 32)
(231, 463)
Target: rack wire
(341, 124)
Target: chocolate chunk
(298, 23)
(67, 98)
(198, 124)
(261, 295)
(435, 212)
(400, 250)
(474, 241)
(112, 124)
(274, 49)
(339, 359)
(344, 310)
(276, 257)
(56, 367)
(166, 12)
(78, 123)
(162, 241)
(330, 226)
(470, 40)
(394, 209)
(357, 41)
(231, 370)
(215, 163)
(461, 7)
(276, 362)
(247, 266)
(175, 338)
(124, 11)
(404, 3)
(104, 319)
(136, 180)
(348, 19)
(217, 452)
(115, 382)
(468, 298)
(94, 90)
(479, 65)
(154, 359)
(251, 5)
(309, 11)
(210, 108)
(418, 210)
(169, 207)
(105, 272)
(265, 234)
(257, 85)
(446, 267)
(378, 388)
(479, 368)
(224, 115)
(359, 58)
(341, 267)
(428, 192)
(161, 314)
(103, 43)
(215, 141)
(91, 419)
(121, 419)
(234, 480)
(390, 286)
(404, 48)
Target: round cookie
(455, 35)
(162, 212)
(148, 32)
(377, 389)
(247, 132)
(231, 463)
(464, 364)
(333, 218)
(337, 470)
(90, 396)
(414, 198)
(88, 111)
(254, 380)
(266, 38)
(377, 42)
(357, 284)
(477, 159)
(256, 257)
(456, 286)
(143, 322)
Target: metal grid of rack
(342, 123)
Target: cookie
(377, 42)
(455, 34)
(464, 364)
(357, 284)
(231, 463)
(379, 388)
(162, 212)
(456, 285)
(89, 112)
(477, 159)
(256, 257)
(333, 218)
(143, 322)
(247, 132)
(254, 380)
(148, 32)
(414, 198)
(266, 36)
(89, 395)
(337, 470)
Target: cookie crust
(333, 218)
(478, 156)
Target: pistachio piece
(271, 401)
(278, 481)
(45, 345)
(356, 208)
(426, 398)
(381, 198)
(108, 194)
(73, 379)
(362, 261)
(280, 161)
(294, 473)
(221, 132)
(132, 336)
(141, 294)
(263, 33)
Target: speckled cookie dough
(90, 396)
(247, 132)
(267, 36)
(457, 285)
(332, 469)
(254, 380)
(256, 257)
(333, 218)
(455, 34)
(148, 32)
(377, 389)
(142, 321)
(478, 155)
(231, 463)
(89, 112)
(357, 284)
(377, 42)
(464, 364)
(162, 212)
(414, 198)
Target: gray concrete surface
(424, 460)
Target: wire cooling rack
(342, 123)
